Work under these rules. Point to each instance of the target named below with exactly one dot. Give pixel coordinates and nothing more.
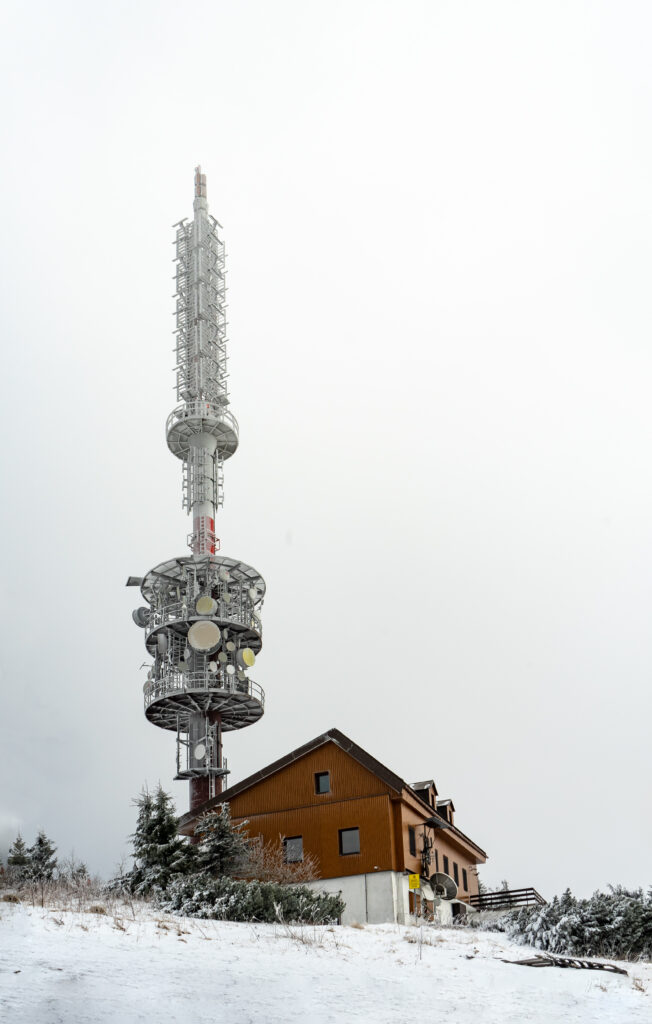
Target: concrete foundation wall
(375, 898)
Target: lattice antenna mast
(201, 371)
(202, 624)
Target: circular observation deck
(173, 697)
(201, 418)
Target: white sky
(438, 222)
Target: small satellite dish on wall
(444, 886)
(199, 753)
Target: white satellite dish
(162, 643)
(204, 636)
(444, 886)
(230, 646)
(205, 605)
(199, 753)
(246, 658)
(223, 657)
(224, 575)
(212, 667)
(241, 675)
(253, 594)
(230, 669)
(226, 598)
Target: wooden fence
(507, 898)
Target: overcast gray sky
(438, 220)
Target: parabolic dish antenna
(140, 616)
(246, 658)
(204, 636)
(206, 605)
(199, 753)
(444, 886)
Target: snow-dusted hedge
(615, 924)
(228, 899)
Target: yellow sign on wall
(414, 882)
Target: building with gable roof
(368, 828)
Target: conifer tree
(159, 852)
(222, 846)
(42, 863)
(42, 860)
(18, 860)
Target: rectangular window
(436, 860)
(293, 848)
(456, 874)
(446, 872)
(413, 841)
(465, 881)
(322, 782)
(349, 841)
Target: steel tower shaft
(202, 623)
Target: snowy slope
(77, 968)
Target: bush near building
(615, 924)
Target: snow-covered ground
(60, 966)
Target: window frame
(465, 880)
(349, 853)
(446, 871)
(456, 873)
(320, 775)
(294, 860)
(412, 840)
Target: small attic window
(322, 782)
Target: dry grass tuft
(638, 985)
(10, 897)
(356, 924)
(97, 908)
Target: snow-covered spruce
(228, 899)
(615, 924)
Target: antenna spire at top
(200, 183)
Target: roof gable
(347, 745)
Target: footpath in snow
(60, 966)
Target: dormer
(427, 791)
(446, 809)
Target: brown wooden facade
(282, 802)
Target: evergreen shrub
(615, 924)
(229, 899)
